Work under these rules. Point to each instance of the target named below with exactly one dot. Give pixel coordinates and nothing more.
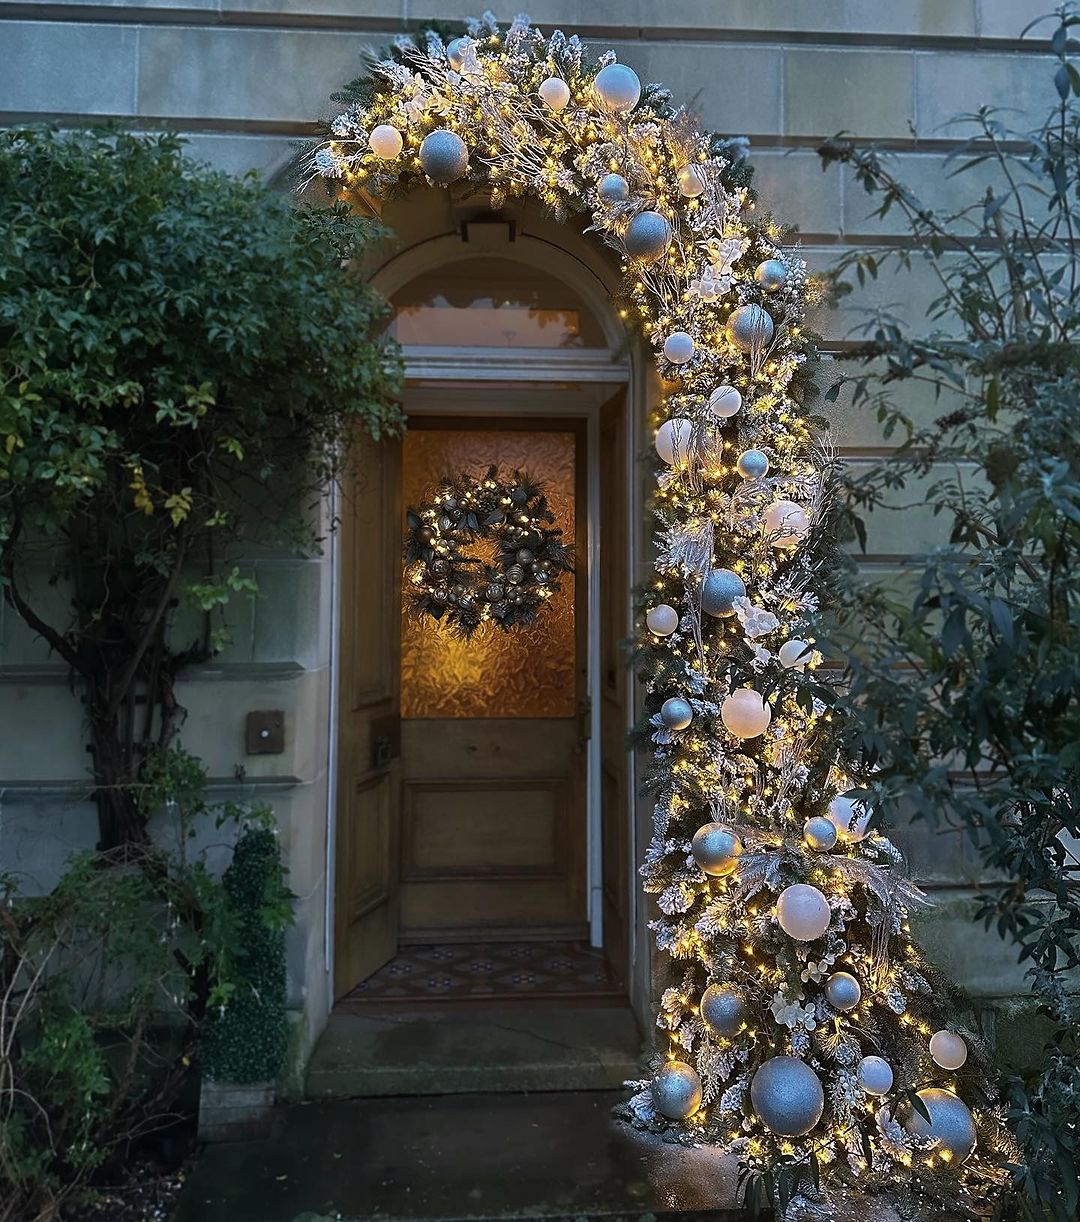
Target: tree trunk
(120, 822)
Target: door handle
(584, 726)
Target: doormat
(483, 971)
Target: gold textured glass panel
(526, 672)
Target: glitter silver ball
(719, 591)
(676, 1091)
(614, 188)
(749, 326)
(444, 156)
(752, 464)
(843, 991)
(647, 236)
(618, 87)
(820, 833)
(787, 1096)
(722, 1010)
(875, 1075)
(676, 713)
(951, 1123)
(771, 275)
(716, 849)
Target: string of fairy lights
(802, 1024)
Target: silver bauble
(752, 464)
(663, 620)
(950, 1122)
(444, 156)
(722, 1010)
(676, 713)
(771, 275)
(875, 1075)
(614, 189)
(691, 180)
(820, 833)
(843, 991)
(787, 1096)
(456, 52)
(749, 326)
(948, 1049)
(679, 347)
(676, 1091)
(716, 849)
(647, 236)
(719, 591)
(617, 87)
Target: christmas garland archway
(803, 1028)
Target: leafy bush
(966, 677)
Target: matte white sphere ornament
(722, 1010)
(554, 93)
(385, 141)
(749, 327)
(662, 619)
(752, 464)
(794, 654)
(456, 53)
(675, 441)
(745, 713)
(444, 156)
(875, 1075)
(719, 591)
(647, 236)
(676, 713)
(679, 347)
(724, 402)
(617, 87)
(771, 275)
(716, 849)
(676, 1091)
(950, 1123)
(614, 188)
(948, 1049)
(786, 522)
(820, 833)
(850, 818)
(843, 991)
(691, 180)
(803, 912)
(787, 1096)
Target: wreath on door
(450, 583)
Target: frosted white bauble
(676, 713)
(675, 440)
(385, 141)
(716, 849)
(662, 619)
(724, 402)
(745, 714)
(794, 654)
(948, 1049)
(843, 991)
(803, 912)
(850, 818)
(691, 180)
(679, 347)
(554, 93)
(820, 833)
(617, 87)
(614, 188)
(786, 522)
(875, 1075)
(456, 52)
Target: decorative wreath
(463, 591)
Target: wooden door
(493, 818)
(366, 911)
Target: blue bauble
(786, 1095)
(614, 188)
(444, 156)
(719, 591)
(647, 236)
(749, 326)
(752, 464)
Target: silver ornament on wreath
(676, 713)
(771, 275)
(750, 327)
(722, 1010)
(951, 1124)
(787, 1096)
(676, 1091)
(647, 236)
(719, 591)
(716, 849)
(843, 991)
(614, 189)
(444, 156)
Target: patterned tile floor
(486, 971)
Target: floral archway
(804, 1030)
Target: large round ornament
(719, 591)
(676, 1091)
(820, 833)
(617, 87)
(691, 180)
(444, 156)
(675, 441)
(749, 327)
(752, 464)
(662, 619)
(647, 236)
(554, 93)
(722, 1010)
(456, 52)
(803, 912)
(614, 188)
(745, 713)
(843, 991)
(875, 1075)
(385, 141)
(787, 1096)
(771, 275)
(724, 402)
(794, 654)
(850, 818)
(716, 849)
(950, 1122)
(679, 347)
(676, 713)
(948, 1049)
(786, 522)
